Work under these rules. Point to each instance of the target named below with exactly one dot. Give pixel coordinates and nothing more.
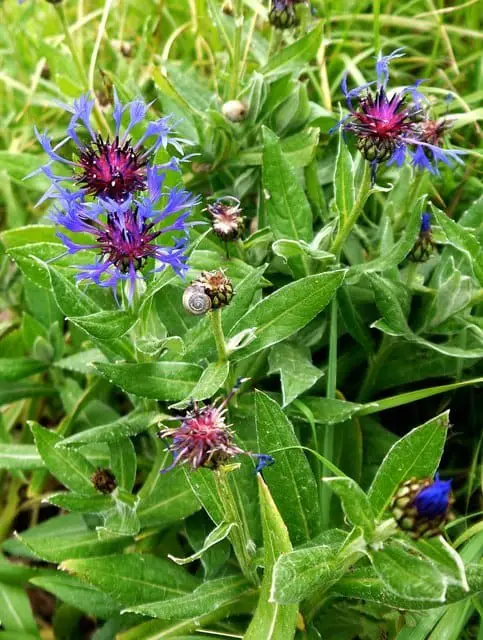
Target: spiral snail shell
(195, 300)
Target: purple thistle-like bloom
(203, 438)
(389, 127)
(114, 168)
(126, 234)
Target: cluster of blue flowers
(394, 127)
(115, 191)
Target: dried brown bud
(104, 480)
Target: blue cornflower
(108, 168)
(126, 234)
(425, 222)
(263, 460)
(421, 507)
(390, 127)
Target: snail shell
(195, 300)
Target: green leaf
(123, 462)
(286, 311)
(212, 378)
(63, 537)
(167, 381)
(77, 503)
(105, 325)
(398, 251)
(132, 578)
(206, 598)
(394, 321)
(407, 575)
(11, 392)
(20, 456)
(290, 479)
(294, 57)
(130, 425)
(13, 369)
(271, 620)
(288, 211)
(169, 500)
(15, 612)
(298, 574)
(364, 583)
(416, 454)
(297, 373)
(79, 595)
(81, 362)
(218, 534)
(329, 411)
(67, 465)
(344, 190)
(355, 504)
(463, 240)
(298, 150)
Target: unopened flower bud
(227, 8)
(234, 110)
(422, 507)
(282, 13)
(424, 246)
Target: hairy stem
(215, 318)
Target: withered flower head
(104, 480)
(203, 438)
(226, 218)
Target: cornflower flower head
(391, 126)
(126, 234)
(421, 507)
(282, 13)
(109, 168)
(203, 438)
(424, 245)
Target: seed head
(216, 286)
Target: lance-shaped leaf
(290, 479)
(416, 454)
(355, 504)
(69, 466)
(286, 311)
(133, 578)
(218, 534)
(272, 620)
(167, 381)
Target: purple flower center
(112, 170)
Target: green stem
(373, 369)
(9, 511)
(235, 70)
(239, 534)
(346, 228)
(376, 10)
(328, 450)
(215, 318)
